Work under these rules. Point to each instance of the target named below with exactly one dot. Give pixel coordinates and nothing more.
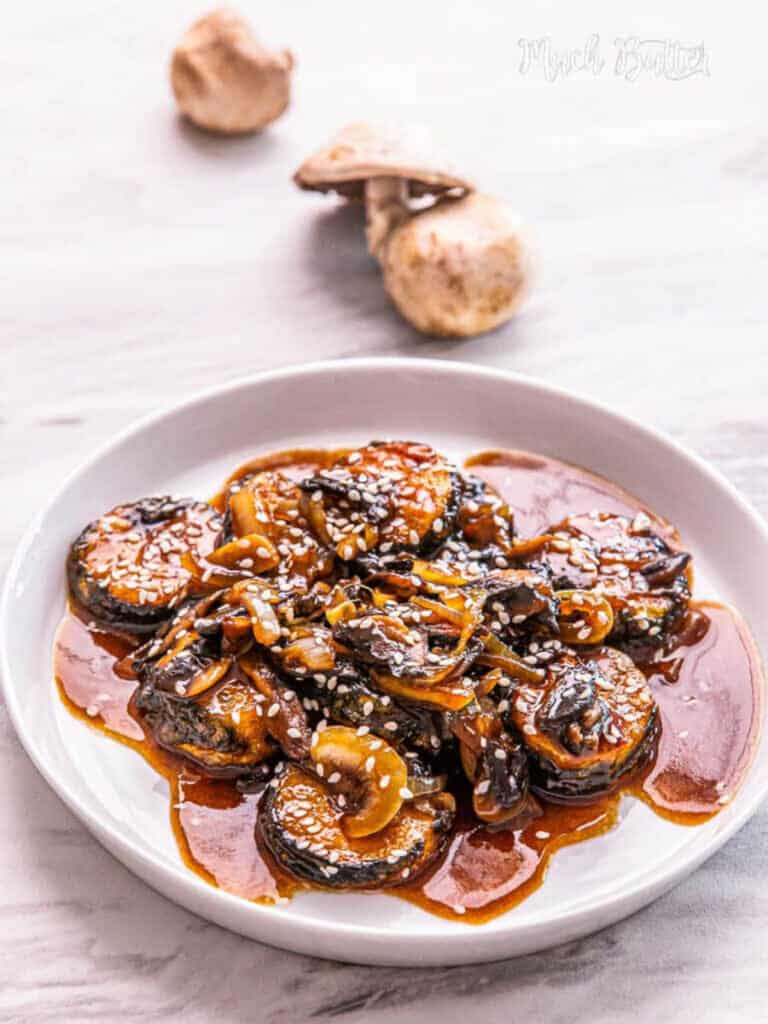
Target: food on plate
(360, 666)
(125, 567)
(225, 80)
(456, 267)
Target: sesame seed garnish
(384, 781)
(369, 764)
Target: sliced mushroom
(592, 721)
(267, 505)
(224, 731)
(192, 665)
(286, 719)
(369, 773)
(127, 566)
(301, 822)
(586, 617)
(495, 763)
(385, 496)
(631, 567)
(455, 270)
(225, 80)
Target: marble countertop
(142, 260)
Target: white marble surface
(141, 260)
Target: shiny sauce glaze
(708, 686)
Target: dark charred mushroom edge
(363, 649)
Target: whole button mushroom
(224, 80)
(458, 269)
(455, 269)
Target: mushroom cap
(224, 80)
(459, 268)
(361, 151)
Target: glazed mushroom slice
(494, 761)
(191, 666)
(455, 270)
(386, 497)
(302, 824)
(592, 721)
(629, 564)
(329, 682)
(223, 731)
(286, 719)
(483, 539)
(127, 566)
(266, 507)
(225, 80)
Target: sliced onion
(498, 655)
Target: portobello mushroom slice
(388, 496)
(591, 722)
(301, 822)
(127, 567)
(646, 583)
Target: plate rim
(645, 887)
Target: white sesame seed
(384, 781)
(369, 763)
(482, 787)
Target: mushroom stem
(386, 208)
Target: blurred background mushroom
(455, 263)
(225, 80)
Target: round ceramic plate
(459, 409)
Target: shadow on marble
(233, 149)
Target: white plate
(459, 409)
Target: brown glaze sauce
(709, 688)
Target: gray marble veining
(142, 260)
